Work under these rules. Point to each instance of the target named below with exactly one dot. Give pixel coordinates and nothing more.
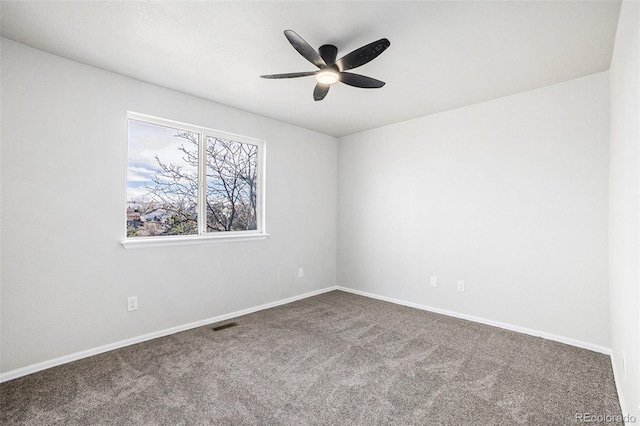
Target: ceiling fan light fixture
(327, 77)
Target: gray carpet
(332, 359)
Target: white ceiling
(443, 55)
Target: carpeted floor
(333, 359)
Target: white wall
(65, 276)
(509, 195)
(625, 206)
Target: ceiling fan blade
(363, 55)
(320, 91)
(289, 75)
(304, 49)
(357, 80)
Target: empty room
(319, 212)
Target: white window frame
(203, 237)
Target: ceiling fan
(331, 71)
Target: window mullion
(202, 184)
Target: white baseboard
(14, 374)
(542, 334)
(617, 379)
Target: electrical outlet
(434, 281)
(132, 303)
(460, 285)
(300, 272)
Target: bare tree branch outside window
(232, 169)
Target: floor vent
(222, 327)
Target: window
(187, 183)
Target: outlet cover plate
(132, 303)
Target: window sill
(143, 242)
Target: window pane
(232, 183)
(162, 181)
